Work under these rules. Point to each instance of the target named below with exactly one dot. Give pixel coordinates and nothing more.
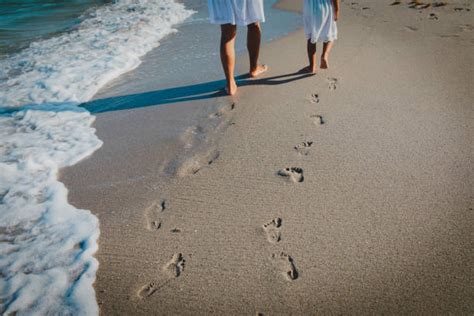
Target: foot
(231, 88)
(258, 71)
(308, 70)
(324, 63)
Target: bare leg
(254, 37)
(228, 33)
(313, 67)
(325, 55)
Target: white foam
(46, 244)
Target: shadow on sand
(199, 91)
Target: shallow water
(25, 21)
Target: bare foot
(308, 70)
(324, 63)
(231, 88)
(260, 70)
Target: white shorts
(236, 12)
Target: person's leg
(254, 37)
(313, 66)
(228, 33)
(325, 55)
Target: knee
(254, 26)
(228, 32)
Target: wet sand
(347, 192)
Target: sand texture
(347, 192)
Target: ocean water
(55, 59)
(26, 21)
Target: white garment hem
(321, 39)
(238, 23)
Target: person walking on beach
(320, 18)
(229, 14)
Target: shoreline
(381, 222)
(288, 5)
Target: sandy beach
(347, 192)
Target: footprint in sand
(172, 270)
(411, 28)
(153, 215)
(458, 9)
(438, 4)
(417, 5)
(354, 5)
(332, 83)
(194, 164)
(315, 98)
(147, 290)
(287, 266)
(467, 27)
(318, 119)
(303, 148)
(396, 3)
(213, 157)
(433, 17)
(175, 266)
(273, 230)
(223, 111)
(292, 174)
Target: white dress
(319, 24)
(236, 12)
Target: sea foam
(46, 244)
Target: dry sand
(378, 219)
